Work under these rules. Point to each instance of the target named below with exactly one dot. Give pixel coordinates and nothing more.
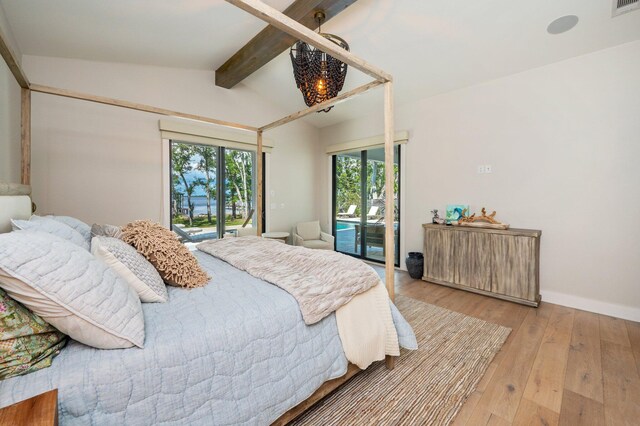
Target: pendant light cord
(319, 16)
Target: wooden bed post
(25, 137)
(259, 187)
(11, 59)
(389, 203)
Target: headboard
(15, 203)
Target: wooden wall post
(25, 137)
(389, 203)
(259, 186)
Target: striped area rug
(427, 386)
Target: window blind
(401, 137)
(194, 133)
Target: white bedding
(322, 282)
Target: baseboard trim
(604, 308)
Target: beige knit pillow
(176, 265)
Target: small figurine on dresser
(435, 218)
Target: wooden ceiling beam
(299, 31)
(270, 42)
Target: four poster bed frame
(292, 27)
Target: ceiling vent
(624, 6)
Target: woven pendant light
(318, 75)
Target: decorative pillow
(27, 343)
(105, 231)
(176, 265)
(50, 226)
(70, 289)
(309, 230)
(76, 224)
(132, 267)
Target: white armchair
(309, 235)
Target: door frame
(363, 200)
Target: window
(358, 203)
(212, 190)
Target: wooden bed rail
(136, 106)
(324, 390)
(317, 107)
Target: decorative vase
(415, 264)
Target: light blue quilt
(234, 352)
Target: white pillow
(132, 267)
(309, 230)
(50, 226)
(71, 290)
(78, 225)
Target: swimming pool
(341, 226)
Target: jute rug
(427, 386)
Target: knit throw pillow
(175, 263)
(112, 231)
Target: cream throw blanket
(366, 327)
(322, 282)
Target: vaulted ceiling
(430, 47)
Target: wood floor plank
(614, 330)
(633, 329)
(584, 367)
(426, 292)
(480, 417)
(621, 385)
(602, 366)
(503, 394)
(506, 314)
(495, 420)
(465, 413)
(511, 317)
(546, 381)
(580, 411)
(485, 418)
(530, 414)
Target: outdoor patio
(348, 242)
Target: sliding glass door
(359, 203)
(212, 190)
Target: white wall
(563, 141)
(9, 126)
(104, 164)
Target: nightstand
(41, 410)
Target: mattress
(234, 352)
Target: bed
(232, 367)
(236, 351)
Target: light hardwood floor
(559, 366)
